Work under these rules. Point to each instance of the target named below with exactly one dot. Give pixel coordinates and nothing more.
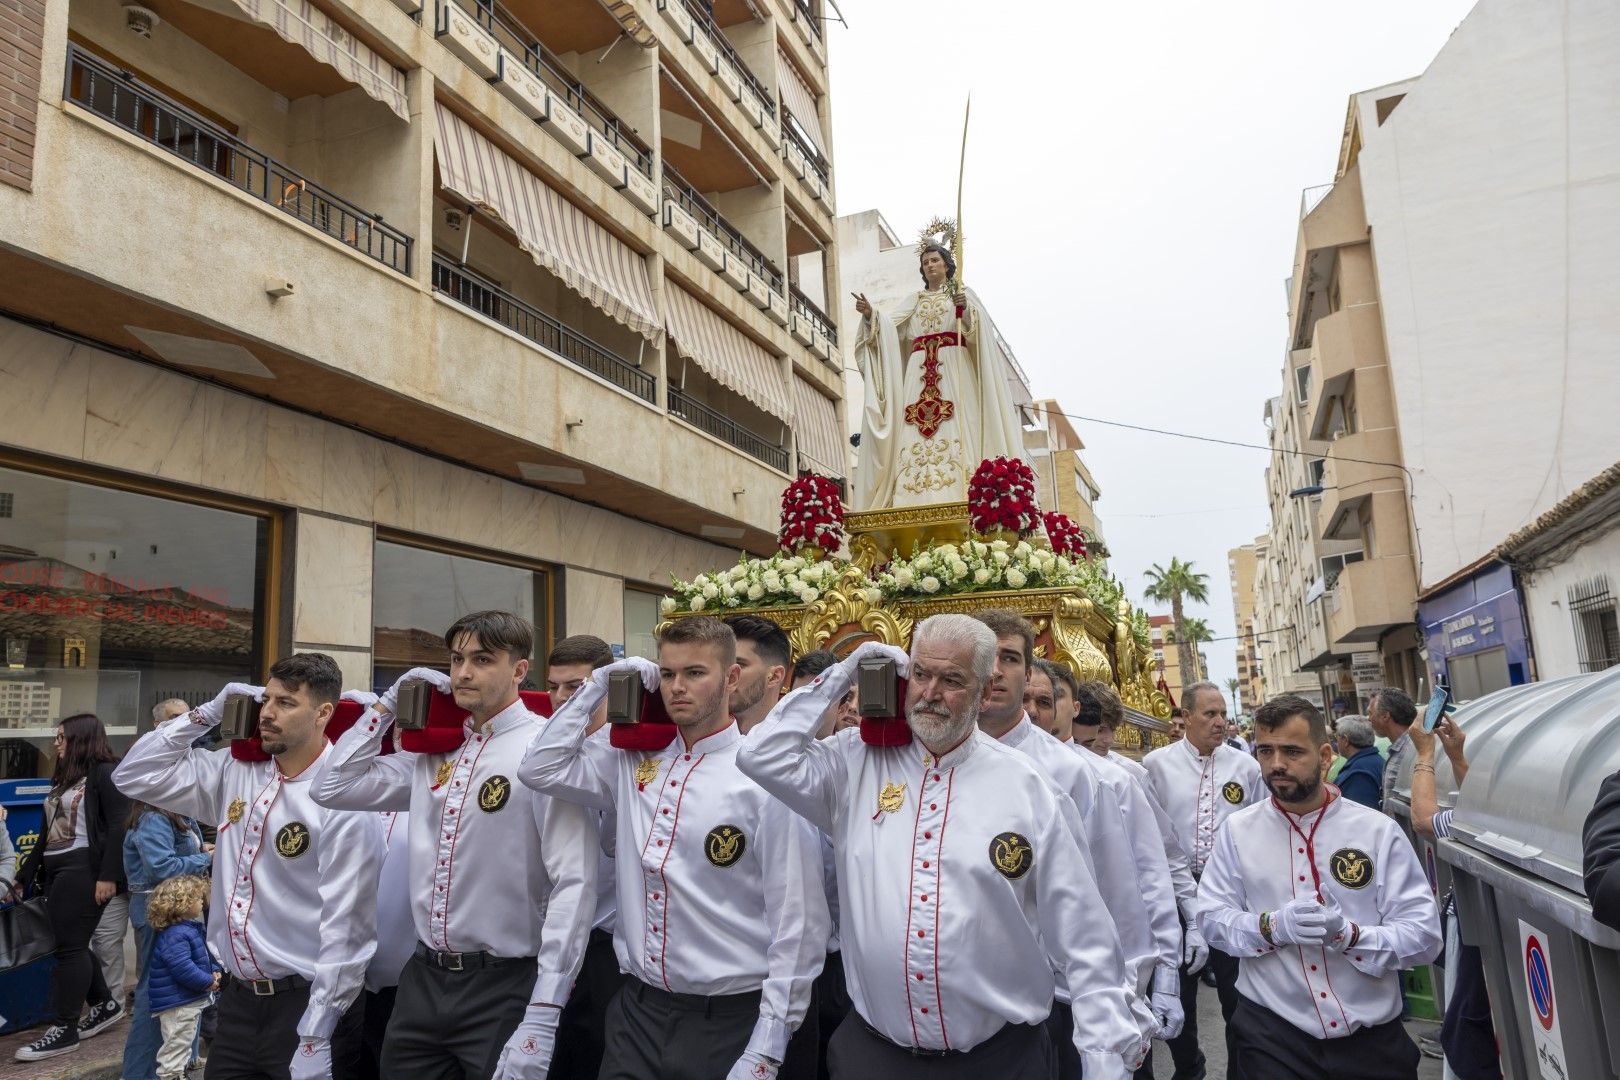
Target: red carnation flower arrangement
(1067, 538)
(1001, 495)
(812, 514)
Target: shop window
(641, 618)
(112, 601)
(418, 592)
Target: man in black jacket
(1600, 847)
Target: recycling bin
(1537, 755)
(25, 991)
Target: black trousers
(1021, 1051)
(379, 1008)
(257, 1036)
(452, 1025)
(1184, 1049)
(70, 884)
(653, 1034)
(831, 1004)
(580, 1032)
(1267, 1047)
(1060, 1029)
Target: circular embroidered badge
(1352, 868)
(293, 840)
(1232, 792)
(725, 844)
(493, 794)
(1011, 855)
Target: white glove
(1194, 950)
(1167, 1002)
(365, 698)
(752, 1066)
(214, 711)
(437, 679)
(527, 1054)
(1335, 927)
(312, 1060)
(851, 663)
(638, 664)
(1301, 921)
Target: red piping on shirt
(455, 838)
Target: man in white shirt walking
(1325, 901)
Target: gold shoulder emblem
(446, 767)
(1011, 855)
(293, 840)
(725, 844)
(1352, 868)
(892, 797)
(647, 771)
(234, 814)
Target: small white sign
(1535, 967)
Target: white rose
(667, 605)
(998, 546)
(710, 591)
(773, 581)
(980, 576)
(755, 592)
(923, 563)
(1016, 578)
(1000, 557)
(958, 568)
(903, 577)
(1022, 548)
(930, 584)
(947, 550)
(696, 604)
(809, 594)
(873, 596)
(979, 548)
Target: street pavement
(1212, 1035)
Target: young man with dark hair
(1200, 781)
(1392, 713)
(763, 661)
(1064, 685)
(581, 1037)
(502, 880)
(293, 911)
(722, 920)
(1326, 902)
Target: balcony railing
(803, 305)
(491, 301)
(515, 38)
(808, 16)
(704, 18)
(687, 198)
(812, 157)
(727, 430)
(1312, 197)
(116, 96)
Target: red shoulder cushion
(652, 732)
(888, 730)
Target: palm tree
(1232, 688)
(1171, 586)
(1198, 632)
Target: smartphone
(241, 719)
(1439, 705)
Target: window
(641, 618)
(417, 593)
(112, 601)
(1333, 565)
(1317, 468)
(1597, 633)
(1302, 382)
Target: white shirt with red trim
(1198, 793)
(494, 867)
(719, 885)
(1182, 882)
(955, 874)
(1361, 860)
(293, 882)
(396, 932)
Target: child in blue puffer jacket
(184, 975)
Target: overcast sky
(1133, 184)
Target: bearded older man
(950, 974)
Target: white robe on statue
(934, 407)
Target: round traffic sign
(1538, 978)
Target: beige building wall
(1241, 567)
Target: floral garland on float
(755, 583)
(1064, 535)
(1001, 498)
(812, 516)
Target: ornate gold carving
(844, 604)
(1073, 646)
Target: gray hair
(960, 631)
(160, 710)
(1355, 730)
(1189, 694)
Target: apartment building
(1241, 566)
(329, 320)
(1449, 320)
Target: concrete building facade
(315, 337)
(1241, 566)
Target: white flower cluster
(778, 580)
(978, 566)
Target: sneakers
(58, 1039)
(99, 1018)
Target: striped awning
(728, 355)
(302, 23)
(815, 423)
(800, 102)
(556, 233)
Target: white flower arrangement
(777, 581)
(996, 565)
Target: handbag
(25, 933)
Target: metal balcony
(703, 19)
(727, 430)
(119, 98)
(687, 198)
(803, 305)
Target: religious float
(944, 516)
